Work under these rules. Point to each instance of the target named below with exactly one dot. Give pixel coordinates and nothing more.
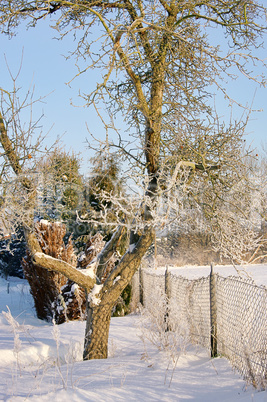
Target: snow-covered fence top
(241, 316)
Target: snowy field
(42, 362)
(257, 272)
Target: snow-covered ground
(42, 362)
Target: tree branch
(109, 250)
(8, 148)
(53, 264)
(128, 264)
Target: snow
(131, 247)
(42, 362)
(89, 271)
(74, 287)
(116, 279)
(44, 222)
(93, 295)
(81, 257)
(257, 272)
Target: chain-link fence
(227, 315)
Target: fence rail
(227, 315)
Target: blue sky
(44, 64)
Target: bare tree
(21, 142)
(161, 62)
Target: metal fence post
(168, 295)
(213, 314)
(141, 291)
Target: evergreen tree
(62, 190)
(12, 250)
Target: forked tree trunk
(99, 315)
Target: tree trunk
(99, 315)
(97, 331)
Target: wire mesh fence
(228, 314)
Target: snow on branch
(53, 264)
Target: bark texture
(99, 314)
(96, 339)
